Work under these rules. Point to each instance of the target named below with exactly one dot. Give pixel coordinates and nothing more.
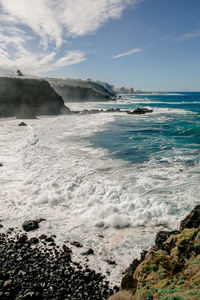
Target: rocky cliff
(76, 90)
(170, 270)
(28, 97)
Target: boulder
(30, 225)
(22, 124)
(140, 111)
(76, 244)
(88, 252)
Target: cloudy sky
(147, 44)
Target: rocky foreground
(170, 270)
(39, 269)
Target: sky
(150, 45)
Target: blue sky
(148, 45)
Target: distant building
(124, 90)
(117, 90)
(138, 92)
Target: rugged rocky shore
(170, 270)
(37, 268)
(27, 98)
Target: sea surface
(110, 181)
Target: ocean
(110, 181)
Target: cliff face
(75, 90)
(79, 94)
(27, 98)
(170, 270)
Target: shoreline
(56, 189)
(38, 268)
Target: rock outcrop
(75, 90)
(27, 98)
(170, 270)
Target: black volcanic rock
(22, 124)
(76, 244)
(140, 111)
(30, 225)
(30, 270)
(26, 98)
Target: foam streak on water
(52, 170)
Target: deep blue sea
(170, 134)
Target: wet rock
(49, 239)
(22, 239)
(101, 236)
(30, 225)
(22, 124)
(111, 262)
(1, 165)
(110, 110)
(34, 240)
(76, 244)
(192, 220)
(42, 236)
(66, 249)
(140, 111)
(88, 252)
(32, 272)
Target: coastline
(51, 162)
(38, 268)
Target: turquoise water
(170, 134)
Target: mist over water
(123, 177)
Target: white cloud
(188, 36)
(132, 51)
(48, 24)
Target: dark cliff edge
(170, 270)
(28, 98)
(75, 90)
(80, 94)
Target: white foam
(51, 171)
